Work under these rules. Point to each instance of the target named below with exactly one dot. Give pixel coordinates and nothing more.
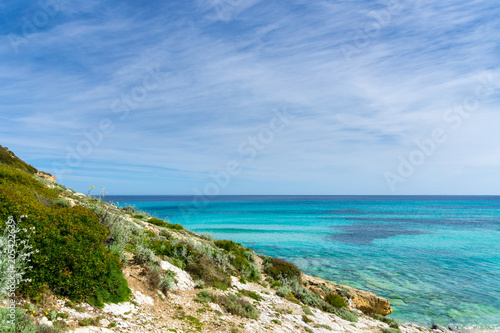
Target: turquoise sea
(437, 258)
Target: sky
(223, 97)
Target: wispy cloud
(227, 65)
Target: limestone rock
(365, 301)
(184, 280)
(47, 176)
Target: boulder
(365, 301)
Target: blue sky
(255, 97)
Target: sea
(436, 258)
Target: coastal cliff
(103, 268)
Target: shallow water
(436, 258)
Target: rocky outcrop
(365, 301)
(46, 176)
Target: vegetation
(279, 269)
(238, 306)
(205, 296)
(71, 258)
(335, 300)
(389, 321)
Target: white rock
(143, 299)
(104, 322)
(184, 280)
(45, 321)
(122, 309)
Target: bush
(143, 255)
(391, 322)
(238, 306)
(335, 300)
(176, 226)
(61, 202)
(157, 222)
(279, 269)
(205, 296)
(307, 311)
(203, 268)
(153, 277)
(306, 319)
(346, 315)
(72, 259)
(283, 291)
(21, 322)
(167, 281)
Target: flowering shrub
(14, 257)
(72, 259)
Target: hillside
(88, 265)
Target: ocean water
(436, 258)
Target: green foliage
(306, 319)
(176, 226)
(308, 330)
(389, 321)
(72, 259)
(307, 311)
(238, 259)
(61, 202)
(199, 284)
(8, 158)
(335, 300)
(390, 330)
(114, 288)
(283, 291)
(157, 222)
(18, 323)
(201, 267)
(167, 281)
(279, 269)
(205, 296)
(238, 306)
(346, 315)
(144, 255)
(344, 292)
(251, 294)
(276, 284)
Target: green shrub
(9, 158)
(72, 259)
(205, 296)
(227, 245)
(199, 284)
(157, 222)
(307, 311)
(19, 323)
(344, 292)
(203, 268)
(61, 202)
(279, 269)
(283, 291)
(346, 315)
(306, 319)
(144, 255)
(167, 281)
(176, 226)
(276, 284)
(391, 322)
(238, 306)
(335, 300)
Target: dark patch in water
(365, 234)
